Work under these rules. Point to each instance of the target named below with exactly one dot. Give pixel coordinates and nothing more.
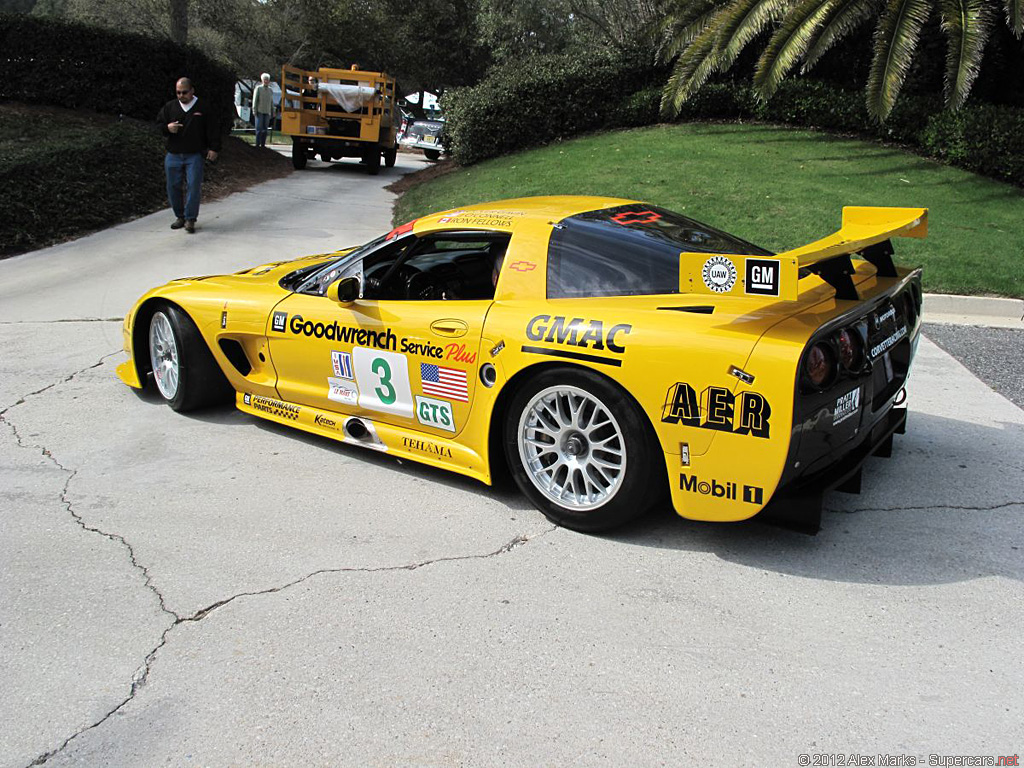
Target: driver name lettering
(578, 332)
(384, 339)
(717, 409)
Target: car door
(407, 351)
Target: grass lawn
(777, 187)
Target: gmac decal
(717, 410)
(578, 332)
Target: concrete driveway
(216, 590)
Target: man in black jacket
(192, 131)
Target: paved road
(216, 590)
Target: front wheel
(298, 157)
(579, 449)
(391, 156)
(432, 154)
(186, 375)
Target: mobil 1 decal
(717, 408)
(383, 381)
(762, 277)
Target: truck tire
(373, 162)
(298, 156)
(390, 156)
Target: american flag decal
(444, 382)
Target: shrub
(983, 138)
(48, 61)
(50, 190)
(546, 98)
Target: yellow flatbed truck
(337, 113)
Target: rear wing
(865, 230)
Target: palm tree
(708, 35)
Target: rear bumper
(798, 504)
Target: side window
(448, 266)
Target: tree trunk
(179, 21)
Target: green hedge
(558, 97)
(49, 191)
(542, 99)
(48, 61)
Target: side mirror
(344, 291)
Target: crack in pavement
(64, 320)
(141, 675)
(65, 380)
(990, 508)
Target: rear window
(629, 250)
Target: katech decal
(424, 446)
(342, 364)
(457, 353)
(435, 413)
(752, 494)
(274, 407)
(444, 382)
(384, 339)
(719, 274)
(341, 391)
(762, 277)
(716, 409)
(280, 321)
(846, 406)
(322, 421)
(422, 348)
(578, 332)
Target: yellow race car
(611, 352)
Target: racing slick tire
(579, 448)
(184, 371)
(432, 154)
(391, 156)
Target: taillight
(820, 365)
(851, 350)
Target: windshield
(317, 282)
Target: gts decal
(718, 408)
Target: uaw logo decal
(719, 274)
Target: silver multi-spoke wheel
(572, 448)
(163, 355)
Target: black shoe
(190, 226)
(178, 224)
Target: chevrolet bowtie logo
(522, 266)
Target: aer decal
(717, 409)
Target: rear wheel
(298, 157)
(186, 375)
(432, 154)
(578, 448)
(390, 156)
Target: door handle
(450, 327)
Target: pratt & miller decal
(717, 406)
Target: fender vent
(236, 355)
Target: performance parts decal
(271, 406)
(717, 409)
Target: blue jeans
(187, 169)
(262, 125)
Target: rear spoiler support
(837, 273)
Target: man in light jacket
(263, 109)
